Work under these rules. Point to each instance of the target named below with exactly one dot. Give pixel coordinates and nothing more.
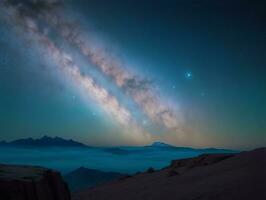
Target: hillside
(211, 176)
(84, 178)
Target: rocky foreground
(207, 177)
(31, 183)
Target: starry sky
(103, 72)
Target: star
(188, 75)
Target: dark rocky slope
(215, 176)
(31, 183)
(83, 178)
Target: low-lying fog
(124, 160)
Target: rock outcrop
(31, 183)
(183, 165)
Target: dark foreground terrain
(239, 176)
(31, 183)
(82, 178)
(215, 176)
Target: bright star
(188, 75)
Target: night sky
(103, 72)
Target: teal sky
(207, 59)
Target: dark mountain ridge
(45, 141)
(165, 146)
(82, 178)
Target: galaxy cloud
(31, 16)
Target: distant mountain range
(82, 178)
(162, 146)
(45, 141)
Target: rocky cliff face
(31, 183)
